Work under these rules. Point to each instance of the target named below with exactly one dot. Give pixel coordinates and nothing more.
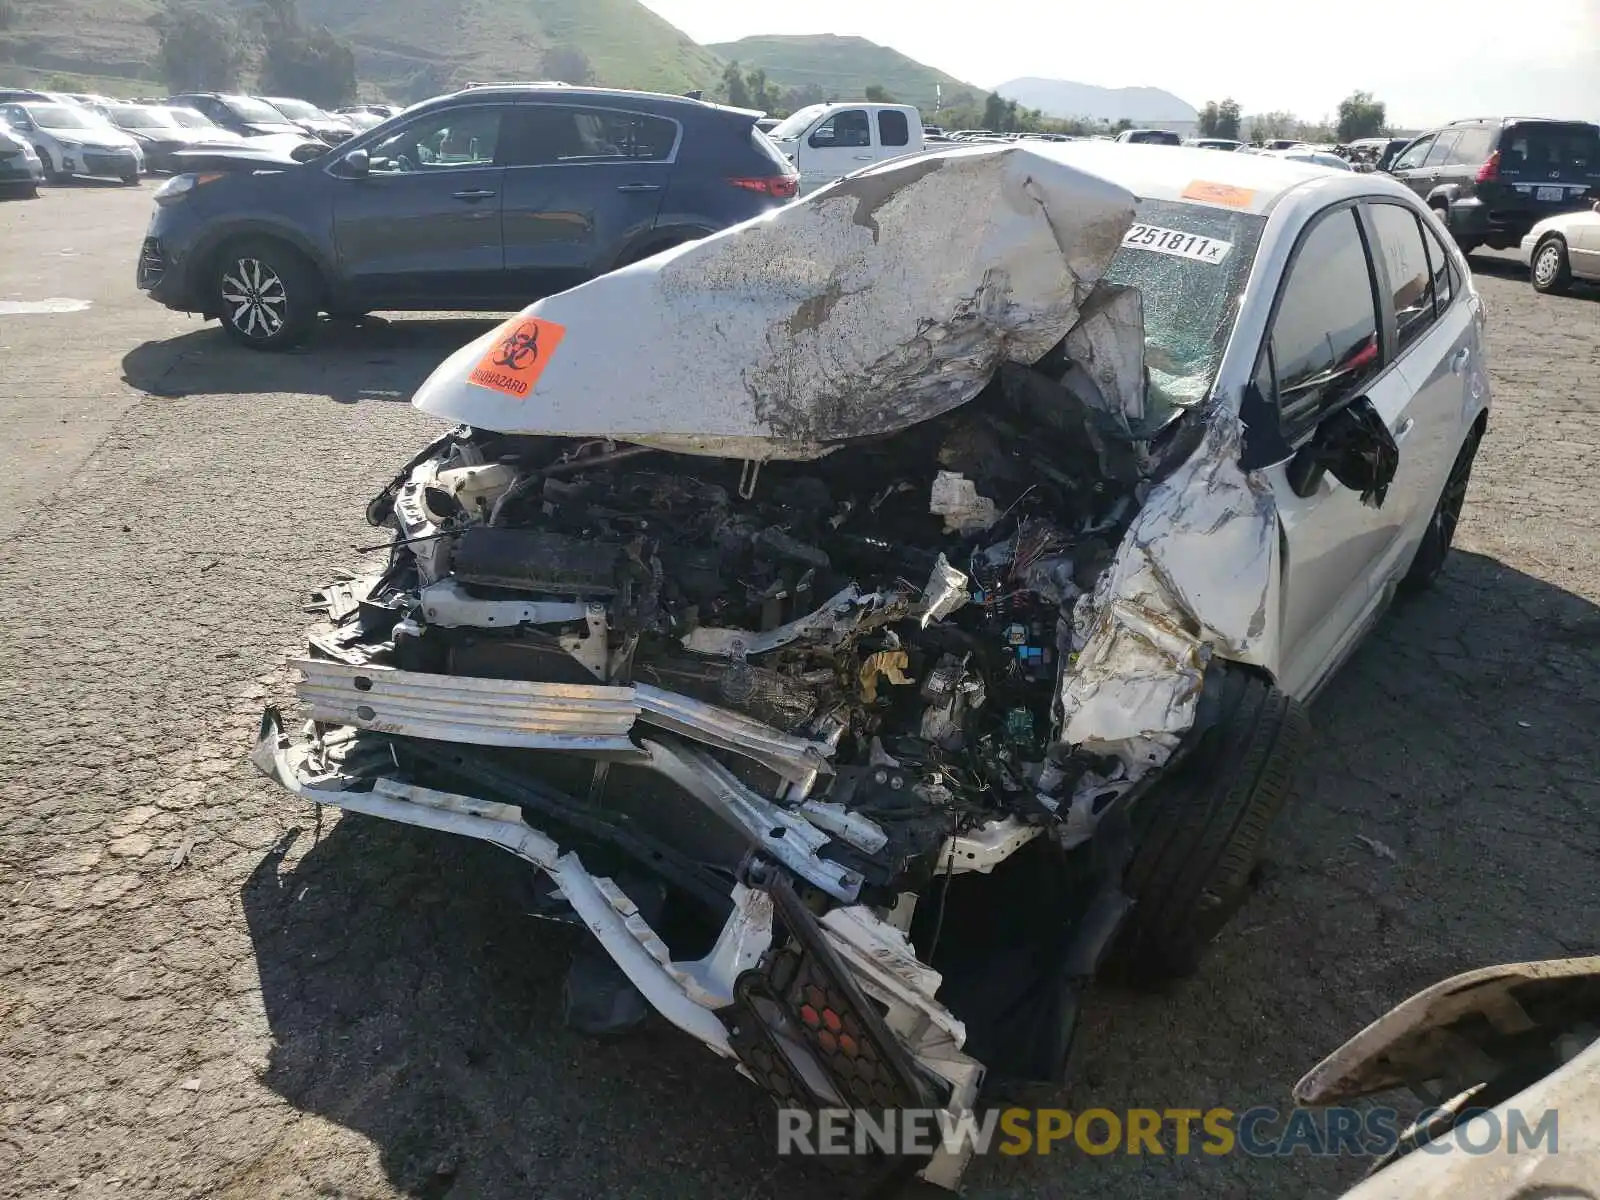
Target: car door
(582, 183)
(422, 224)
(893, 134)
(1436, 169)
(1583, 244)
(841, 144)
(1325, 349)
(1408, 167)
(1435, 345)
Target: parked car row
(52, 136)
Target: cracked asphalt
(208, 990)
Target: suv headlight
(69, 144)
(179, 186)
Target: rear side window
(1443, 270)
(844, 129)
(893, 128)
(555, 135)
(1405, 259)
(1473, 147)
(1443, 147)
(1324, 340)
(1550, 151)
(1414, 155)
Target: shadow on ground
(348, 362)
(408, 1000)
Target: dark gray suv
(1491, 179)
(484, 199)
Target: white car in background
(71, 140)
(1561, 249)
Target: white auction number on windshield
(1177, 243)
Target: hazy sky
(1430, 61)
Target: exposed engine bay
(900, 610)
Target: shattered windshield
(1189, 262)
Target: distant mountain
(405, 49)
(1063, 98)
(844, 67)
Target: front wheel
(131, 179)
(267, 294)
(51, 175)
(1441, 533)
(1551, 271)
(1201, 828)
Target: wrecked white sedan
(876, 617)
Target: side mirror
(356, 163)
(1353, 445)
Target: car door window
(1405, 260)
(544, 135)
(843, 130)
(1413, 157)
(1442, 147)
(1442, 269)
(893, 128)
(456, 139)
(1324, 339)
(1472, 147)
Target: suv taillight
(783, 187)
(1490, 171)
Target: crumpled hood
(876, 303)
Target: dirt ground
(208, 990)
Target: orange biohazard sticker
(517, 357)
(1219, 193)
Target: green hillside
(405, 49)
(844, 67)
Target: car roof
(1166, 172)
(570, 93)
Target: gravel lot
(207, 990)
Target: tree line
(1359, 116)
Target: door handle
(863, 158)
(1406, 427)
(477, 194)
(639, 187)
(1458, 361)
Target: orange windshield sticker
(1219, 193)
(521, 349)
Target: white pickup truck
(826, 141)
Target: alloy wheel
(257, 300)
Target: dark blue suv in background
(485, 199)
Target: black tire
(131, 180)
(1201, 828)
(1436, 542)
(1550, 269)
(266, 294)
(651, 251)
(51, 175)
